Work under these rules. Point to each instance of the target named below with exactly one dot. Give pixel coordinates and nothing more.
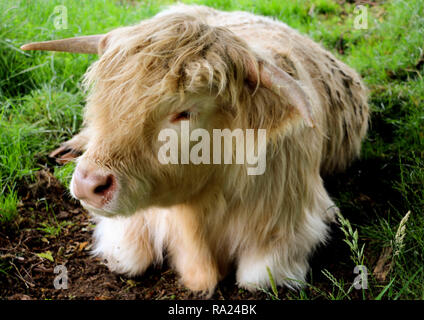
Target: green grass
(41, 102)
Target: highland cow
(216, 70)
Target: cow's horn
(85, 44)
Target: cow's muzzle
(92, 186)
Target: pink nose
(93, 187)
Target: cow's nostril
(105, 187)
(93, 186)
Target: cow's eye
(185, 115)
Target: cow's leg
(190, 253)
(254, 267)
(72, 148)
(286, 258)
(124, 242)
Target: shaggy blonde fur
(211, 217)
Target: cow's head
(152, 76)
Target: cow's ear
(292, 100)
